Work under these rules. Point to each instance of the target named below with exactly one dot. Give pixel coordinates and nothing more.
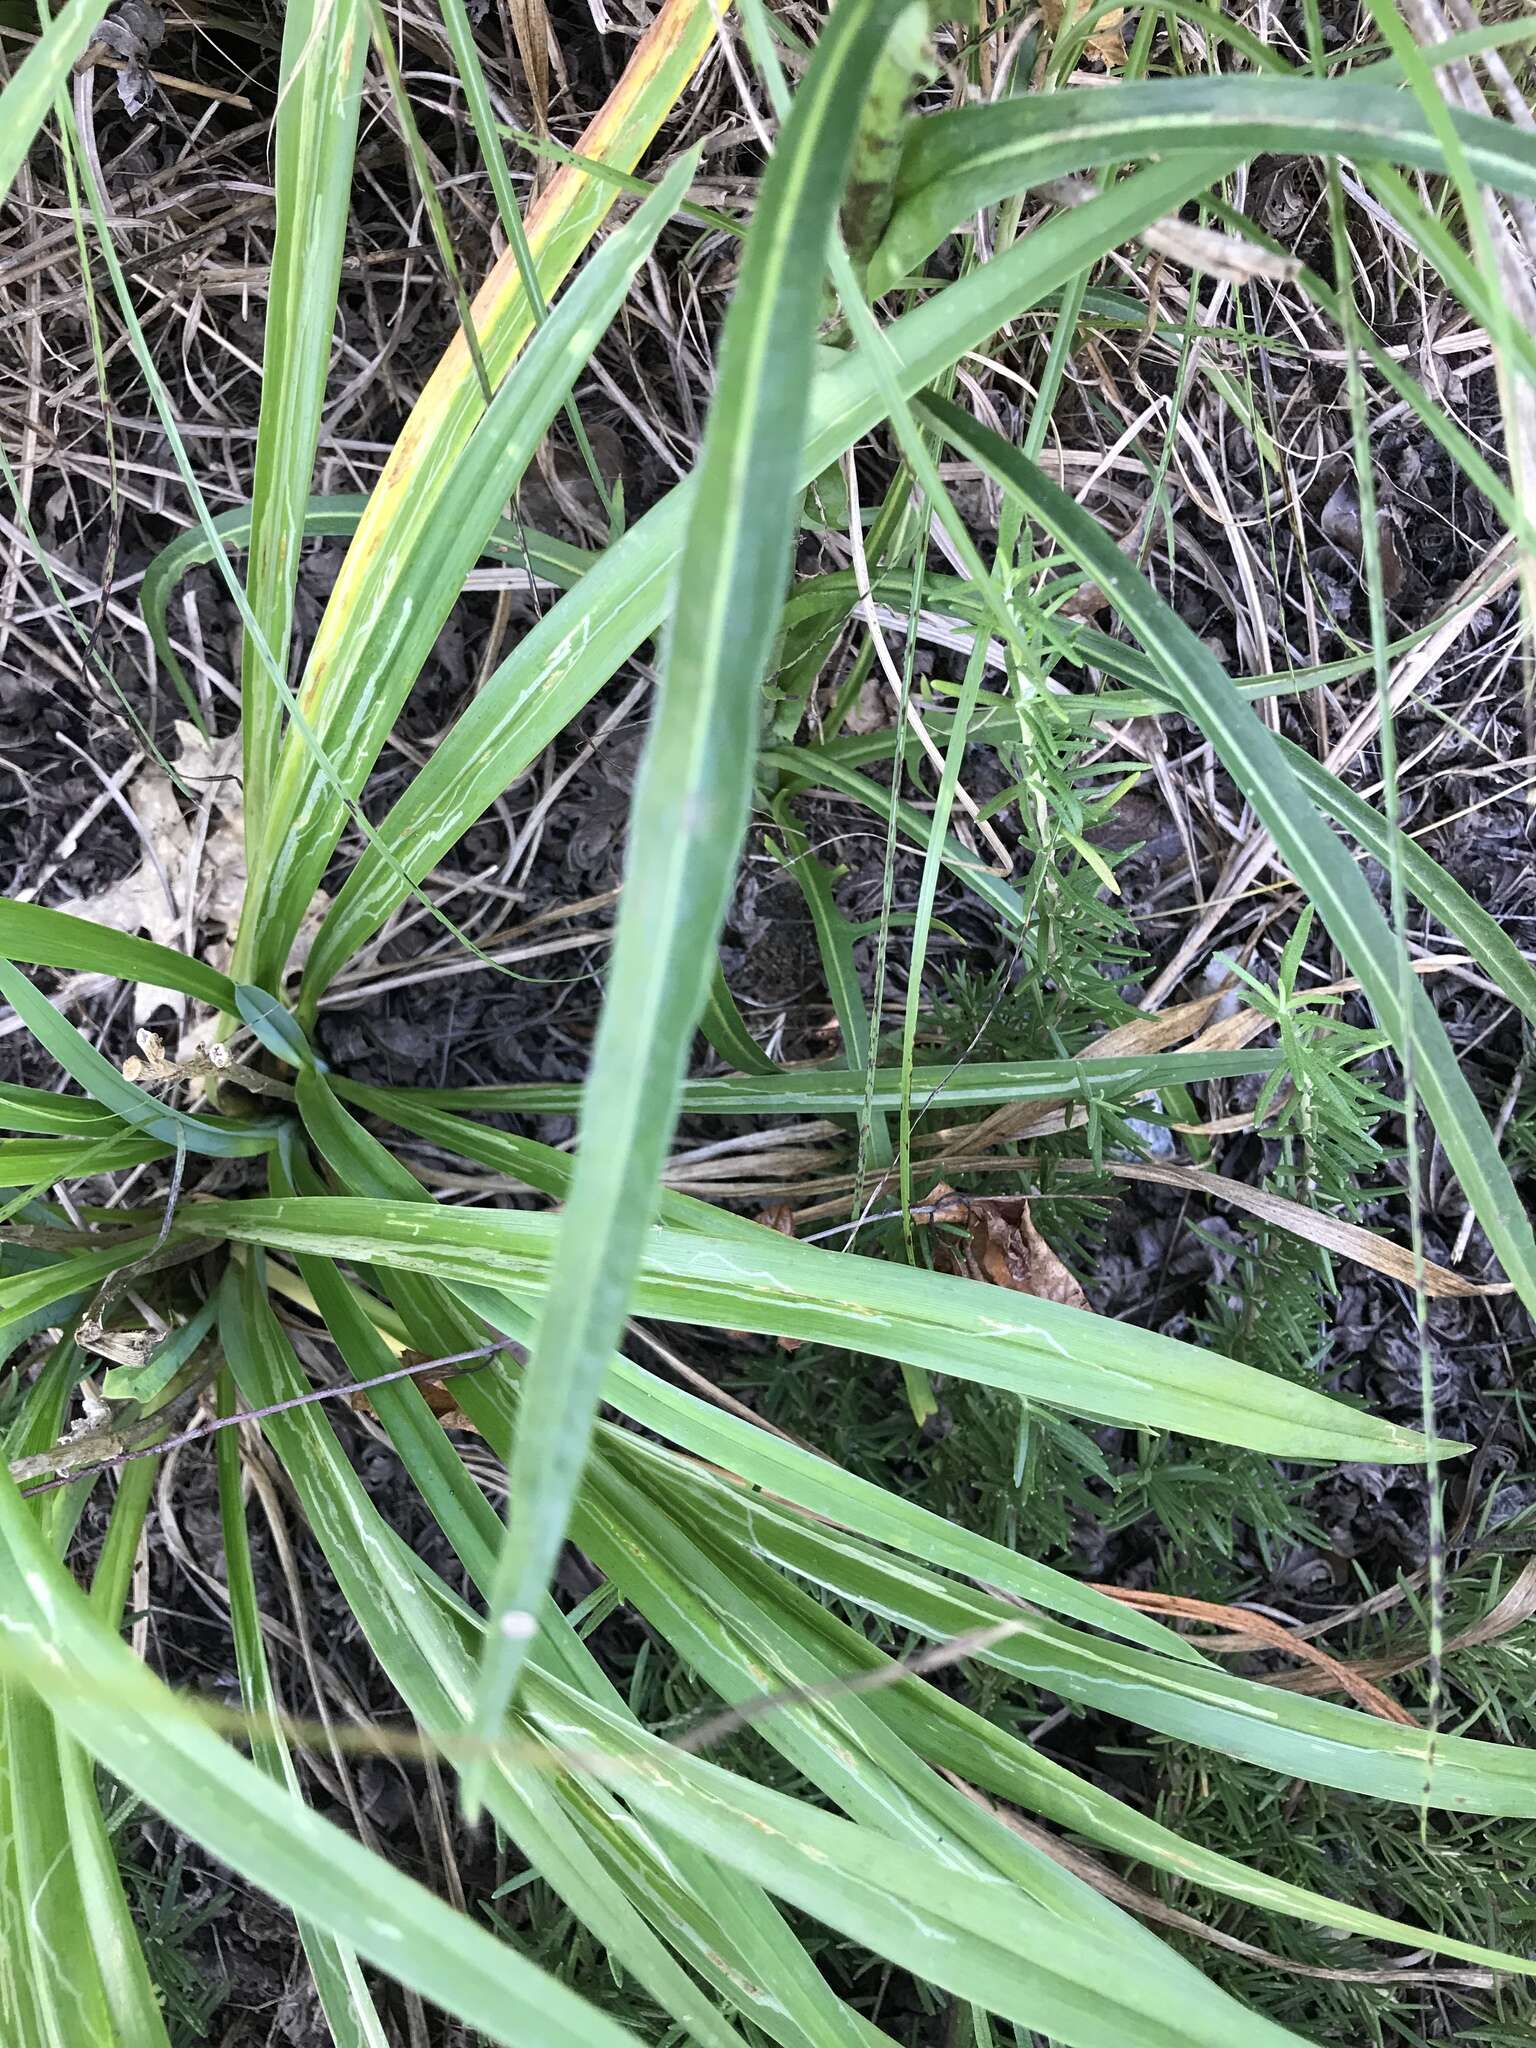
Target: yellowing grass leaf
(409, 498)
(384, 649)
(580, 642)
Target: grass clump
(867, 1568)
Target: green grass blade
(726, 1029)
(979, 1939)
(1283, 1731)
(955, 1736)
(53, 938)
(1441, 895)
(325, 43)
(344, 1996)
(1089, 1365)
(840, 1091)
(1320, 862)
(40, 77)
(106, 1083)
(321, 517)
(135, 1726)
(820, 768)
(28, 1292)
(957, 163)
(578, 645)
(71, 1969)
(690, 813)
(424, 1654)
(41, 1111)
(369, 678)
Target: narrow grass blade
(1283, 1731)
(1440, 893)
(424, 1655)
(1320, 862)
(956, 1737)
(1089, 1365)
(840, 1091)
(71, 1968)
(322, 517)
(41, 1111)
(370, 676)
(577, 646)
(28, 1291)
(726, 1029)
(314, 140)
(690, 813)
(344, 1996)
(39, 78)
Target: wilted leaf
(180, 856)
(1107, 42)
(1005, 1249)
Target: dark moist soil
(196, 214)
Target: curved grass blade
(728, 1932)
(1283, 1731)
(957, 163)
(28, 1291)
(41, 1111)
(577, 646)
(1089, 1365)
(690, 813)
(96, 1074)
(726, 1029)
(344, 1996)
(739, 1625)
(1320, 862)
(322, 517)
(1440, 893)
(53, 938)
(71, 1968)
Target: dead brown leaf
(1107, 40)
(1005, 1248)
(201, 857)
